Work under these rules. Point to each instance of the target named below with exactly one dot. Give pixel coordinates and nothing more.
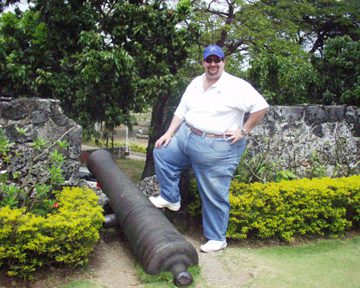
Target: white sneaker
(213, 246)
(160, 202)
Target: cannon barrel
(156, 243)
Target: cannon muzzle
(153, 239)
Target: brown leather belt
(202, 133)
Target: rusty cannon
(155, 242)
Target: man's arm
(165, 139)
(254, 119)
(250, 123)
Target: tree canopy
(104, 59)
(279, 46)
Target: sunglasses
(216, 60)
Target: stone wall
(40, 118)
(296, 137)
(289, 137)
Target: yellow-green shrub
(66, 236)
(134, 147)
(323, 206)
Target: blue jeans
(213, 161)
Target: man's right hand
(163, 141)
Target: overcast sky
(22, 6)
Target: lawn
(132, 168)
(323, 263)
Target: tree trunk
(157, 128)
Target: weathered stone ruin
(26, 120)
(288, 137)
(291, 136)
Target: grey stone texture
(298, 137)
(40, 118)
(149, 186)
(295, 138)
(310, 140)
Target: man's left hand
(234, 136)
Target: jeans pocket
(221, 145)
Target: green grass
(82, 284)
(165, 279)
(132, 168)
(326, 263)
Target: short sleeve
(252, 100)
(183, 105)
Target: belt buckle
(216, 136)
(202, 133)
(211, 135)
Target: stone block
(315, 114)
(334, 113)
(39, 116)
(35, 117)
(14, 111)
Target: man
(208, 134)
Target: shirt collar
(218, 83)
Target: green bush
(137, 148)
(64, 237)
(320, 207)
(133, 146)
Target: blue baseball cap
(213, 50)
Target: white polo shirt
(222, 106)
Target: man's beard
(215, 74)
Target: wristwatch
(244, 132)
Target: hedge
(316, 207)
(65, 237)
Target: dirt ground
(112, 265)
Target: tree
(102, 59)
(278, 39)
(340, 72)
(283, 79)
(240, 25)
(23, 53)
(73, 63)
(152, 34)
(104, 77)
(328, 19)
(105, 58)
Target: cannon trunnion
(153, 239)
